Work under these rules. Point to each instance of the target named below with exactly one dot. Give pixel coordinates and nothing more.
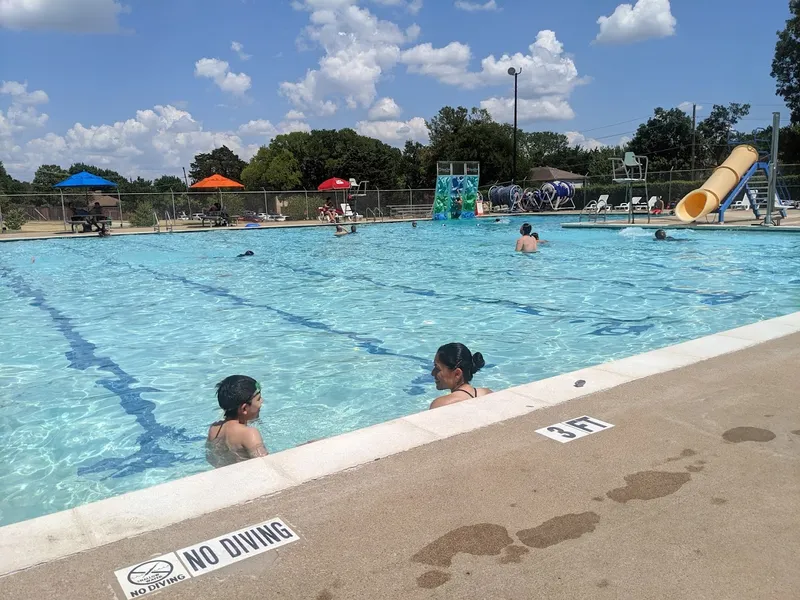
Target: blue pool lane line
(82, 356)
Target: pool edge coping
(90, 526)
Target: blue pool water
(110, 348)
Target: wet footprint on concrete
(433, 579)
(559, 529)
(513, 554)
(687, 453)
(483, 539)
(649, 485)
(738, 435)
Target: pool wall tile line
(48, 538)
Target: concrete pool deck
(738, 220)
(695, 492)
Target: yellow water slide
(725, 177)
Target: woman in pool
(453, 368)
(231, 440)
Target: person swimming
(353, 229)
(662, 236)
(453, 368)
(538, 241)
(527, 243)
(339, 231)
(230, 441)
(247, 253)
(413, 224)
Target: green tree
(222, 161)
(412, 168)
(786, 64)
(165, 183)
(714, 132)
(44, 179)
(273, 170)
(666, 139)
(458, 134)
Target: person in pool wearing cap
(231, 440)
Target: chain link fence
(372, 204)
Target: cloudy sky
(141, 86)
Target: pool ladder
(168, 222)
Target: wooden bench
(406, 211)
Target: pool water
(110, 348)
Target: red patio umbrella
(334, 183)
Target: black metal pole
(514, 161)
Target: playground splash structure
(456, 180)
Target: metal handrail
(375, 213)
(169, 221)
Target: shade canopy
(553, 174)
(86, 180)
(334, 183)
(215, 182)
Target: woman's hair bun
(477, 362)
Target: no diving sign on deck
(158, 573)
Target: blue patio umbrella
(86, 180)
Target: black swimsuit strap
(219, 430)
(475, 395)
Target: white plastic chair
(348, 213)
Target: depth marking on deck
(574, 429)
(193, 561)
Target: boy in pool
(538, 241)
(527, 243)
(231, 440)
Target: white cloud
(687, 107)
(358, 49)
(624, 141)
(74, 16)
(22, 113)
(395, 132)
(295, 115)
(540, 109)
(20, 94)
(384, 109)
(547, 79)
(412, 6)
(264, 128)
(577, 139)
(218, 71)
(153, 142)
(476, 6)
(239, 49)
(447, 64)
(647, 19)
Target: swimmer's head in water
(497, 220)
(240, 397)
(352, 228)
(413, 223)
(455, 365)
(248, 253)
(525, 229)
(661, 234)
(535, 235)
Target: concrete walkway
(694, 493)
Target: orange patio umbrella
(216, 182)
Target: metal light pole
(515, 73)
(773, 168)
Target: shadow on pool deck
(694, 493)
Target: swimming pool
(111, 347)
